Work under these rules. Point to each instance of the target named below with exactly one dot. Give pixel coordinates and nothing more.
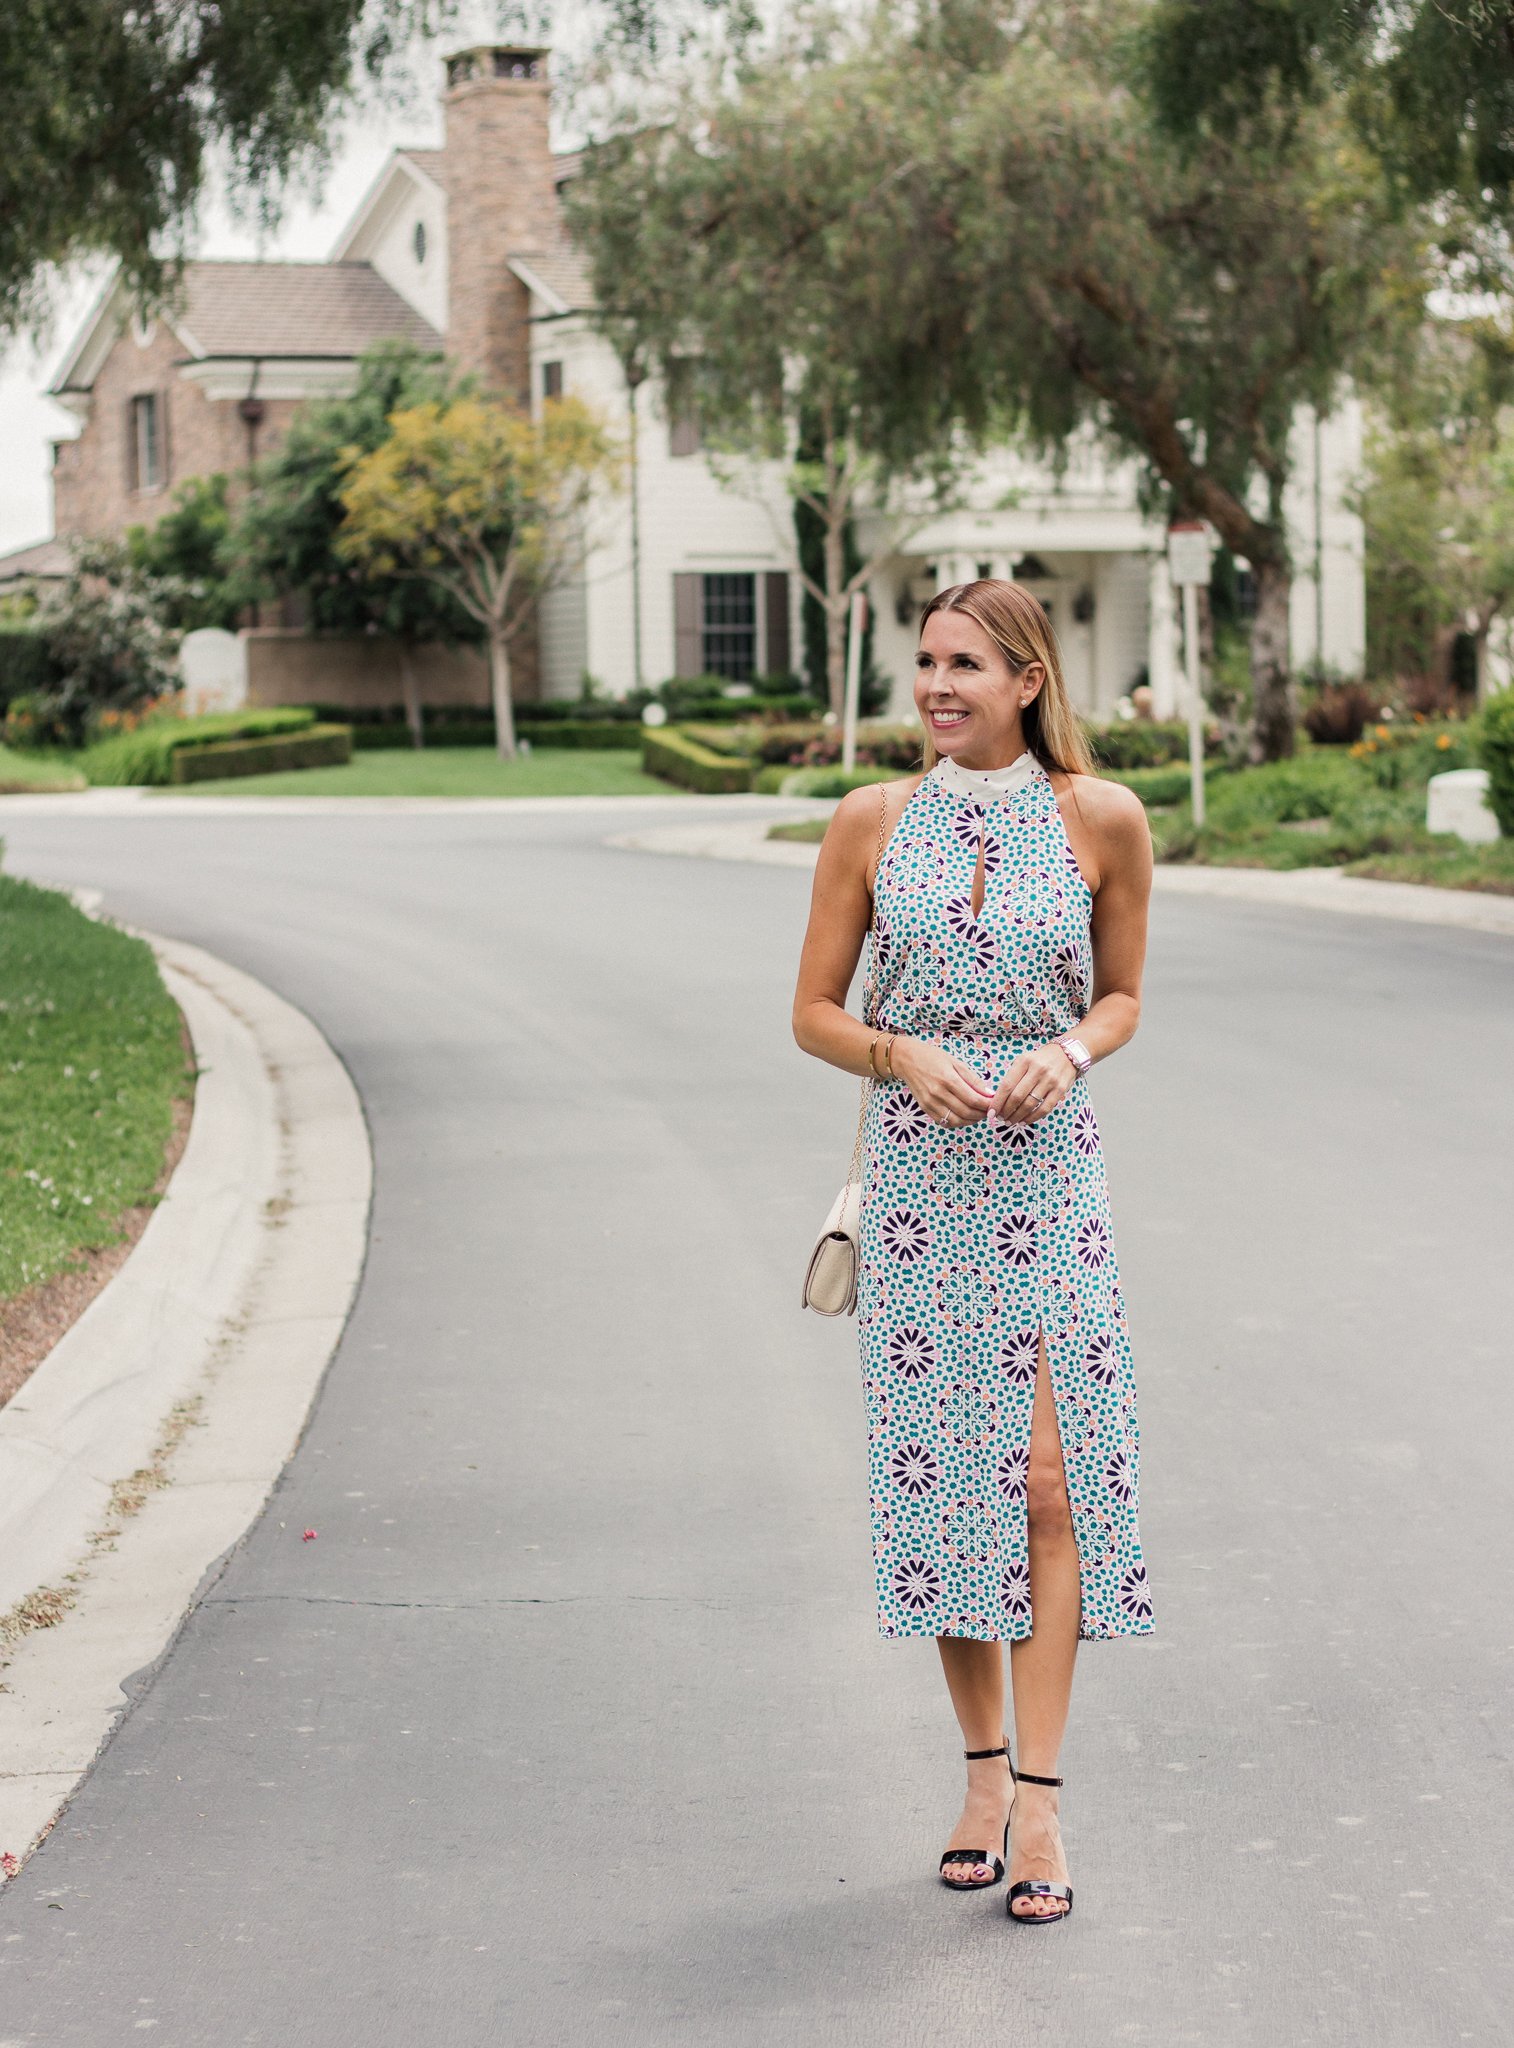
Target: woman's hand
(947, 1089)
(1034, 1085)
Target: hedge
(146, 754)
(585, 732)
(672, 755)
(1144, 742)
(836, 782)
(318, 746)
(26, 664)
(1496, 746)
(1169, 785)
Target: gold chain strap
(870, 989)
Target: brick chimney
(501, 201)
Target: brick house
(464, 248)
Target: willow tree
(1430, 82)
(734, 248)
(1187, 299)
(490, 507)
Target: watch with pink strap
(1076, 1051)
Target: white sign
(1188, 552)
(213, 664)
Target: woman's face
(968, 696)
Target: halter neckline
(985, 784)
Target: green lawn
(453, 771)
(92, 1058)
(36, 771)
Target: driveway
(572, 1724)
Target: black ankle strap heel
(1034, 1887)
(978, 1856)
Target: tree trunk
(835, 615)
(411, 692)
(499, 691)
(1273, 715)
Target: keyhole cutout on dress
(978, 874)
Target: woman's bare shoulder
(859, 810)
(1109, 808)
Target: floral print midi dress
(975, 1240)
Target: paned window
(551, 380)
(730, 627)
(146, 442)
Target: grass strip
(22, 772)
(92, 1054)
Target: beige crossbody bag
(830, 1278)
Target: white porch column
(1161, 639)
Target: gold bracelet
(888, 1055)
(871, 1067)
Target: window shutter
(130, 423)
(165, 449)
(775, 618)
(688, 625)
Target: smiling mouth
(947, 719)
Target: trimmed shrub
(813, 745)
(556, 710)
(145, 756)
(1144, 742)
(672, 755)
(318, 746)
(834, 781)
(1496, 747)
(584, 732)
(1158, 785)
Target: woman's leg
(1041, 1665)
(975, 1680)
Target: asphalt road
(573, 1724)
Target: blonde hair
(1017, 624)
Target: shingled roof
(294, 309)
(269, 310)
(560, 270)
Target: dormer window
(418, 241)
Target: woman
(1007, 890)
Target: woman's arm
(840, 912)
(1110, 836)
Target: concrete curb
(1302, 889)
(201, 1358)
(164, 803)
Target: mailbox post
(1188, 564)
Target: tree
(115, 117)
(287, 531)
(1438, 504)
(735, 248)
(485, 505)
(1431, 82)
(190, 546)
(1187, 300)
